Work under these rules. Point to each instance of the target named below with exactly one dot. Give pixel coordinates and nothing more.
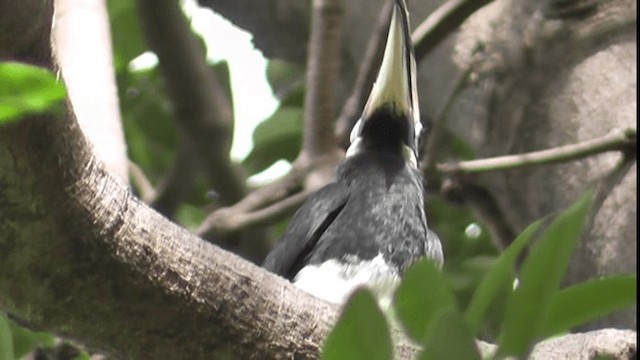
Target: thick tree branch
(82, 45)
(202, 105)
(615, 141)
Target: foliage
(360, 326)
(27, 89)
(426, 308)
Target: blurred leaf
(128, 42)
(421, 294)
(294, 98)
(587, 301)
(278, 137)
(6, 340)
(361, 332)
(461, 149)
(25, 340)
(83, 356)
(540, 277)
(450, 223)
(27, 89)
(499, 278)
(284, 77)
(190, 216)
(150, 132)
(448, 337)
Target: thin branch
(176, 183)
(262, 197)
(323, 70)
(366, 76)
(609, 183)
(443, 21)
(201, 103)
(228, 221)
(141, 183)
(615, 141)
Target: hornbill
(369, 224)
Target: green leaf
(422, 293)
(152, 138)
(6, 340)
(284, 76)
(499, 278)
(25, 340)
(449, 337)
(27, 89)
(361, 332)
(83, 356)
(587, 301)
(541, 275)
(189, 216)
(278, 137)
(128, 41)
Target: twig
(609, 183)
(322, 78)
(141, 183)
(176, 183)
(201, 102)
(442, 22)
(306, 176)
(366, 76)
(615, 141)
(229, 221)
(260, 198)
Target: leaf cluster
(530, 304)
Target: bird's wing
(304, 230)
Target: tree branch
(141, 183)
(442, 22)
(230, 220)
(175, 184)
(82, 45)
(323, 68)
(615, 141)
(201, 103)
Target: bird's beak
(395, 86)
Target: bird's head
(391, 117)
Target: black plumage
(369, 224)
